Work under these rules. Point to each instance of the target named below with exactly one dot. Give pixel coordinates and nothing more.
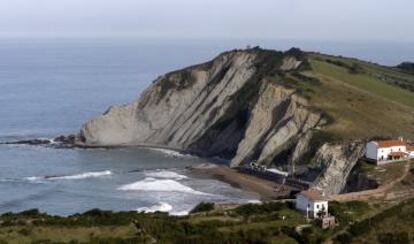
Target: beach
(266, 189)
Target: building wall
(315, 206)
(372, 151)
(384, 152)
(375, 153)
(318, 206)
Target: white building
(312, 202)
(389, 150)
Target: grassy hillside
(358, 222)
(394, 225)
(364, 100)
(267, 223)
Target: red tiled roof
(410, 148)
(391, 143)
(314, 195)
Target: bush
(250, 209)
(203, 207)
(344, 238)
(389, 238)
(24, 232)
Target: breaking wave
(170, 153)
(160, 207)
(166, 175)
(156, 185)
(71, 177)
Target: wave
(166, 175)
(254, 201)
(171, 153)
(156, 185)
(81, 176)
(179, 213)
(160, 207)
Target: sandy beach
(267, 190)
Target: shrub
(203, 207)
(344, 238)
(250, 209)
(389, 238)
(24, 231)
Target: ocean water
(50, 87)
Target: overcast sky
(379, 20)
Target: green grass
(365, 82)
(243, 225)
(361, 106)
(395, 223)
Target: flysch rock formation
(336, 162)
(232, 107)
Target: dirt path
(380, 192)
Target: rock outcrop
(231, 107)
(238, 106)
(336, 162)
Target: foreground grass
(266, 223)
(244, 224)
(394, 225)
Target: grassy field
(241, 224)
(361, 105)
(270, 222)
(394, 225)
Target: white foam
(160, 207)
(170, 152)
(71, 177)
(179, 213)
(159, 185)
(254, 201)
(166, 175)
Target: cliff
(285, 109)
(231, 107)
(336, 162)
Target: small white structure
(312, 202)
(410, 150)
(382, 151)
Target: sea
(50, 87)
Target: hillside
(273, 222)
(281, 109)
(373, 101)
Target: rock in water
(232, 107)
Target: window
(317, 206)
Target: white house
(389, 150)
(312, 202)
(410, 150)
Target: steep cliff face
(336, 162)
(239, 106)
(231, 107)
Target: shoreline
(267, 190)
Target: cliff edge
(232, 107)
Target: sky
(343, 20)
